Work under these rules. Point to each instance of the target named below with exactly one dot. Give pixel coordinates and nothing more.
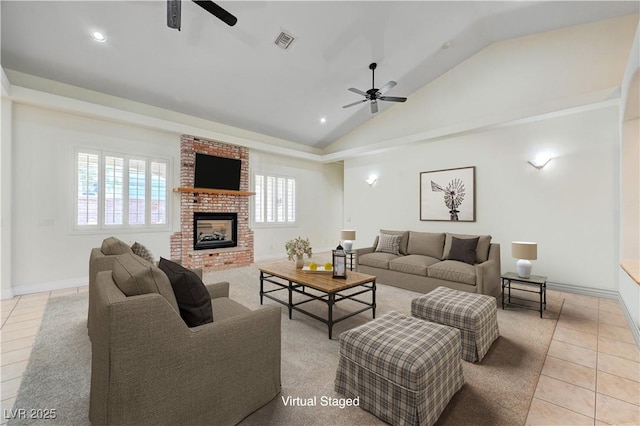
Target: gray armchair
(101, 259)
(148, 367)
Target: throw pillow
(482, 251)
(463, 250)
(404, 238)
(193, 297)
(142, 251)
(389, 243)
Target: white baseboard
(20, 290)
(603, 293)
(586, 291)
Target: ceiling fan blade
(173, 13)
(355, 103)
(387, 86)
(217, 11)
(374, 107)
(358, 91)
(392, 98)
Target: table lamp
(524, 252)
(347, 236)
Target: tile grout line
(595, 396)
(10, 312)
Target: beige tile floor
(591, 375)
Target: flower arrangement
(298, 247)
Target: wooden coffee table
(316, 286)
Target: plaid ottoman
(475, 315)
(403, 370)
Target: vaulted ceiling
(238, 76)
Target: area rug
(498, 390)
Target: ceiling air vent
(284, 40)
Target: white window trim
(265, 224)
(102, 227)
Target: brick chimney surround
(181, 242)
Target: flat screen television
(214, 172)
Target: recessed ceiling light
(323, 120)
(98, 36)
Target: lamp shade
(524, 250)
(347, 234)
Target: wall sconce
(540, 161)
(371, 180)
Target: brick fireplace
(212, 257)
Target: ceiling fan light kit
(374, 95)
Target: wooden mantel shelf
(213, 191)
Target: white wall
(569, 207)
(630, 186)
(46, 252)
(6, 108)
(319, 192)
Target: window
(118, 190)
(275, 199)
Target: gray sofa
(422, 263)
(149, 368)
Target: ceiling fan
(174, 12)
(374, 95)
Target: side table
(539, 284)
(350, 254)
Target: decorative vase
(299, 262)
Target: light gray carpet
(498, 391)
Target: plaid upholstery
(475, 315)
(404, 370)
(389, 243)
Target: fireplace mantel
(213, 191)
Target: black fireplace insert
(215, 230)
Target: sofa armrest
(360, 252)
(488, 273)
(364, 250)
(217, 290)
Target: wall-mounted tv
(214, 172)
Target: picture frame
(448, 195)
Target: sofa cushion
(142, 251)
(226, 308)
(452, 270)
(463, 249)
(482, 250)
(388, 244)
(415, 264)
(426, 243)
(113, 246)
(404, 238)
(135, 276)
(193, 297)
(376, 260)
